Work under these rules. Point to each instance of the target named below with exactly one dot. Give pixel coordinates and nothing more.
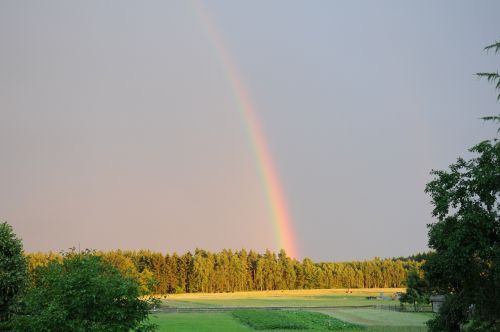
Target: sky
(122, 125)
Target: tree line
(230, 271)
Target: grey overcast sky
(119, 129)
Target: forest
(230, 271)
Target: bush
(82, 293)
(13, 270)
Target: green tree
(311, 274)
(288, 270)
(13, 270)
(466, 238)
(83, 293)
(417, 290)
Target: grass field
(379, 317)
(373, 320)
(368, 319)
(199, 322)
(288, 298)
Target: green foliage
(292, 320)
(451, 315)
(13, 270)
(82, 293)
(466, 238)
(480, 326)
(417, 290)
(418, 257)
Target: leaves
(466, 236)
(13, 270)
(82, 293)
(417, 291)
(495, 46)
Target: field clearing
(296, 292)
(283, 298)
(371, 319)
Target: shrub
(83, 293)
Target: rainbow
(275, 197)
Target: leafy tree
(466, 238)
(83, 293)
(287, 268)
(13, 270)
(416, 290)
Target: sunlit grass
(379, 317)
(287, 298)
(296, 292)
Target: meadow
(284, 298)
(306, 310)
